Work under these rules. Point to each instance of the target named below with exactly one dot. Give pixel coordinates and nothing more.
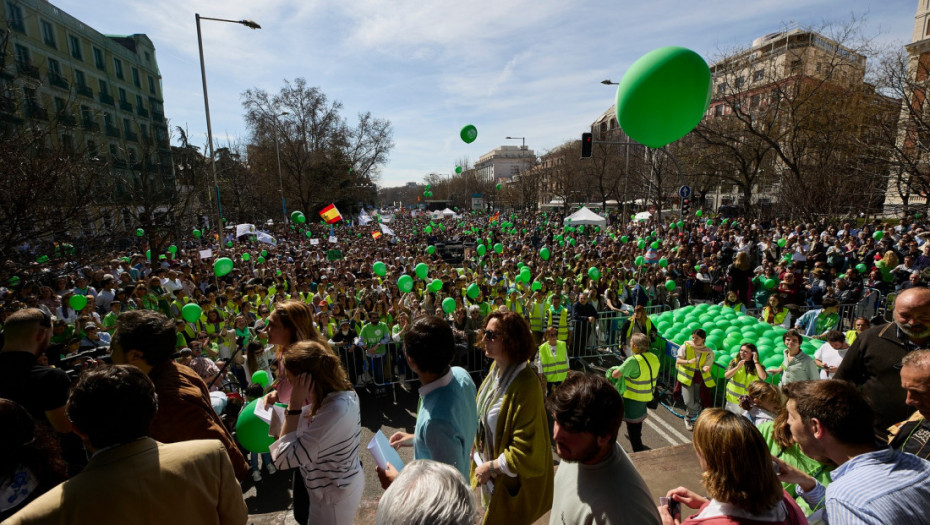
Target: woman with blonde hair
(321, 435)
(738, 476)
(291, 322)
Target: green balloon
(379, 268)
(448, 305)
(140, 232)
(782, 243)
(670, 285)
(251, 431)
(435, 285)
(624, 239)
(260, 377)
(405, 283)
(264, 253)
(655, 245)
(468, 133)
(681, 224)
(77, 302)
(458, 169)
(544, 254)
(536, 286)
(245, 257)
(173, 249)
(309, 234)
(663, 96)
(878, 235)
(229, 244)
(641, 244)
(499, 248)
(472, 291)
(481, 250)
(639, 261)
(222, 266)
(197, 234)
(260, 260)
(421, 270)
(431, 249)
(861, 268)
(698, 213)
(191, 312)
(594, 273)
(663, 262)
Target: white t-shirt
(829, 356)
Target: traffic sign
(684, 192)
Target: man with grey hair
(873, 361)
(427, 493)
(913, 435)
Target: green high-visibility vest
(641, 388)
(686, 371)
(554, 367)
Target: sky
(511, 68)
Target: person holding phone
(739, 477)
(321, 434)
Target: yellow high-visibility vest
(686, 371)
(641, 388)
(554, 367)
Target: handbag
(654, 402)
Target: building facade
(94, 94)
(504, 162)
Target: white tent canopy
(449, 213)
(586, 217)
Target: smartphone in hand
(674, 507)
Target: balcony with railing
(25, 68)
(58, 81)
(113, 131)
(84, 91)
(105, 98)
(125, 105)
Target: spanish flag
(330, 214)
(495, 218)
(376, 235)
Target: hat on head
(89, 326)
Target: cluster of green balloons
(727, 330)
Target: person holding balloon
(321, 435)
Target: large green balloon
(544, 254)
(878, 235)
(421, 270)
(499, 248)
(435, 285)
(663, 96)
(191, 312)
(260, 377)
(594, 273)
(77, 302)
(472, 291)
(481, 250)
(405, 283)
(222, 266)
(431, 249)
(379, 268)
(469, 133)
(448, 305)
(251, 431)
(861, 268)
(670, 285)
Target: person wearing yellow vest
(638, 324)
(536, 315)
(636, 380)
(553, 360)
(732, 301)
(775, 312)
(694, 375)
(557, 317)
(743, 370)
(860, 324)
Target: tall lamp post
(251, 24)
(626, 162)
(277, 154)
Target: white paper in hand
(384, 453)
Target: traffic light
(586, 143)
(685, 206)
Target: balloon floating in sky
(663, 96)
(458, 169)
(469, 133)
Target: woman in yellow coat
(512, 444)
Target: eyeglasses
(490, 335)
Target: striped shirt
(326, 448)
(876, 488)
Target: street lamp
(522, 152)
(608, 82)
(206, 106)
(277, 154)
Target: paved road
(269, 501)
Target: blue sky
(510, 67)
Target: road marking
(682, 439)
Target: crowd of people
(488, 328)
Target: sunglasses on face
(490, 335)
